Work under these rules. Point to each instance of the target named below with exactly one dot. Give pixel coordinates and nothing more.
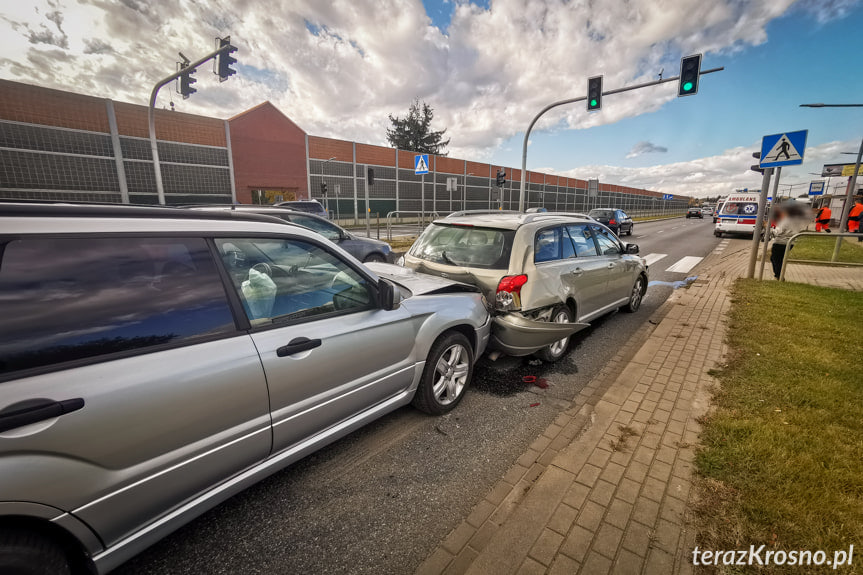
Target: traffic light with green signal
(690, 69)
(594, 93)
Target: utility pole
(186, 71)
(582, 99)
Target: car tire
(26, 552)
(636, 295)
(375, 257)
(629, 231)
(441, 387)
(554, 352)
(717, 233)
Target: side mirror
(389, 296)
(632, 248)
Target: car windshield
(467, 246)
(601, 213)
(739, 208)
(311, 207)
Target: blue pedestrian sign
(667, 196)
(421, 164)
(783, 149)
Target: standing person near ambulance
(791, 220)
(822, 219)
(855, 217)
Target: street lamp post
(852, 187)
(464, 191)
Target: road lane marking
(675, 227)
(660, 231)
(684, 264)
(651, 259)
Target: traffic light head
(186, 81)
(501, 178)
(690, 68)
(323, 188)
(594, 93)
(370, 176)
(226, 60)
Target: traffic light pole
(151, 115)
(582, 99)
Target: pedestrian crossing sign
(783, 149)
(421, 164)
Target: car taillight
(509, 292)
(612, 222)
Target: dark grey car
(616, 220)
(364, 249)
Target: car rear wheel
(629, 231)
(635, 296)
(552, 353)
(25, 552)
(447, 374)
(375, 258)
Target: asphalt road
(380, 500)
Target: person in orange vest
(822, 219)
(855, 217)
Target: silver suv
(546, 273)
(156, 361)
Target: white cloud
(642, 148)
(486, 76)
(714, 175)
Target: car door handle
(577, 272)
(297, 345)
(36, 410)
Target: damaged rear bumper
(517, 335)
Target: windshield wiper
(447, 259)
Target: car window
(600, 213)
(739, 208)
(72, 299)
(548, 245)
(460, 245)
(287, 280)
(607, 245)
(582, 240)
(326, 229)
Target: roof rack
(66, 209)
(536, 216)
(479, 212)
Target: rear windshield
(601, 213)
(311, 207)
(739, 209)
(465, 246)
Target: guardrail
(791, 240)
(420, 221)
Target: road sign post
(421, 168)
(756, 234)
(770, 216)
(846, 210)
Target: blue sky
(758, 93)
(339, 68)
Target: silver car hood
(419, 283)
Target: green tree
(413, 132)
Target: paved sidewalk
(605, 488)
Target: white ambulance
(737, 214)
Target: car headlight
(400, 261)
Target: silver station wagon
(156, 361)
(547, 273)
